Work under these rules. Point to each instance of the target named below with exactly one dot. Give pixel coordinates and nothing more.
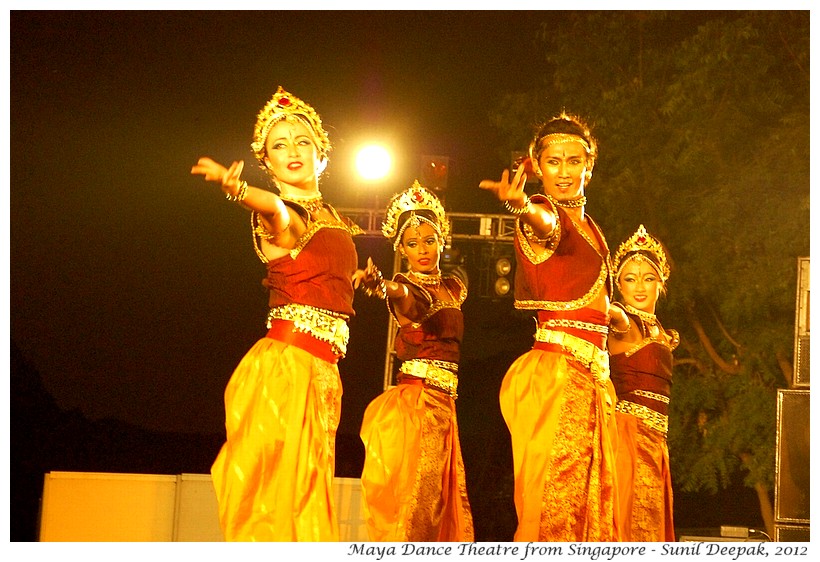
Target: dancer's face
(640, 285)
(422, 248)
(563, 170)
(292, 156)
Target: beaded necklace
(647, 317)
(311, 203)
(426, 279)
(569, 203)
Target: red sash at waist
(284, 331)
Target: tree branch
(725, 333)
(731, 368)
(689, 361)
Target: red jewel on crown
(284, 101)
(417, 196)
(642, 240)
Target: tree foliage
(703, 127)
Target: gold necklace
(647, 317)
(429, 279)
(310, 203)
(570, 203)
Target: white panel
(105, 507)
(83, 506)
(197, 515)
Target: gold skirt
(644, 482)
(274, 475)
(563, 433)
(413, 478)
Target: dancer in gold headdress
(641, 369)
(413, 478)
(273, 477)
(557, 399)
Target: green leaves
(703, 127)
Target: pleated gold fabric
(563, 431)
(413, 479)
(274, 475)
(644, 482)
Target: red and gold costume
(413, 478)
(643, 380)
(273, 476)
(557, 399)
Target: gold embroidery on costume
(442, 375)
(434, 304)
(651, 395)
(324, 325)
(427, 492)
(576, 324)
(590, 296)
(327, 384)
(565, 493)
(669, 340)
(651, 418)
(648, 506)
(260, 232)
(585, 236)
(585, 352)
(526, 236)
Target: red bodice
(649, 369)
(437, 337)
(319, 275)
(569, 271)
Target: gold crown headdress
(641, 246)
(281, 106)
(414, 198)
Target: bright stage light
(373, 162)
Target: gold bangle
(519, 210)
(379, 290)
(240, 194)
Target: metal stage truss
(463, 226)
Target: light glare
(373, 162)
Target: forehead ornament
(282, 106)
(415, 198)
(639, 247)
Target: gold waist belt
(651, 395)
(647, 415)
(438, 374)
(577, 324)
(586, 352)
(323, 325)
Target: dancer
(641, 369)
(273, 476)
(557, 399)
(413, 478)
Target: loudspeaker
(792, 474)
(801, 326)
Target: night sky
(134, 286)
